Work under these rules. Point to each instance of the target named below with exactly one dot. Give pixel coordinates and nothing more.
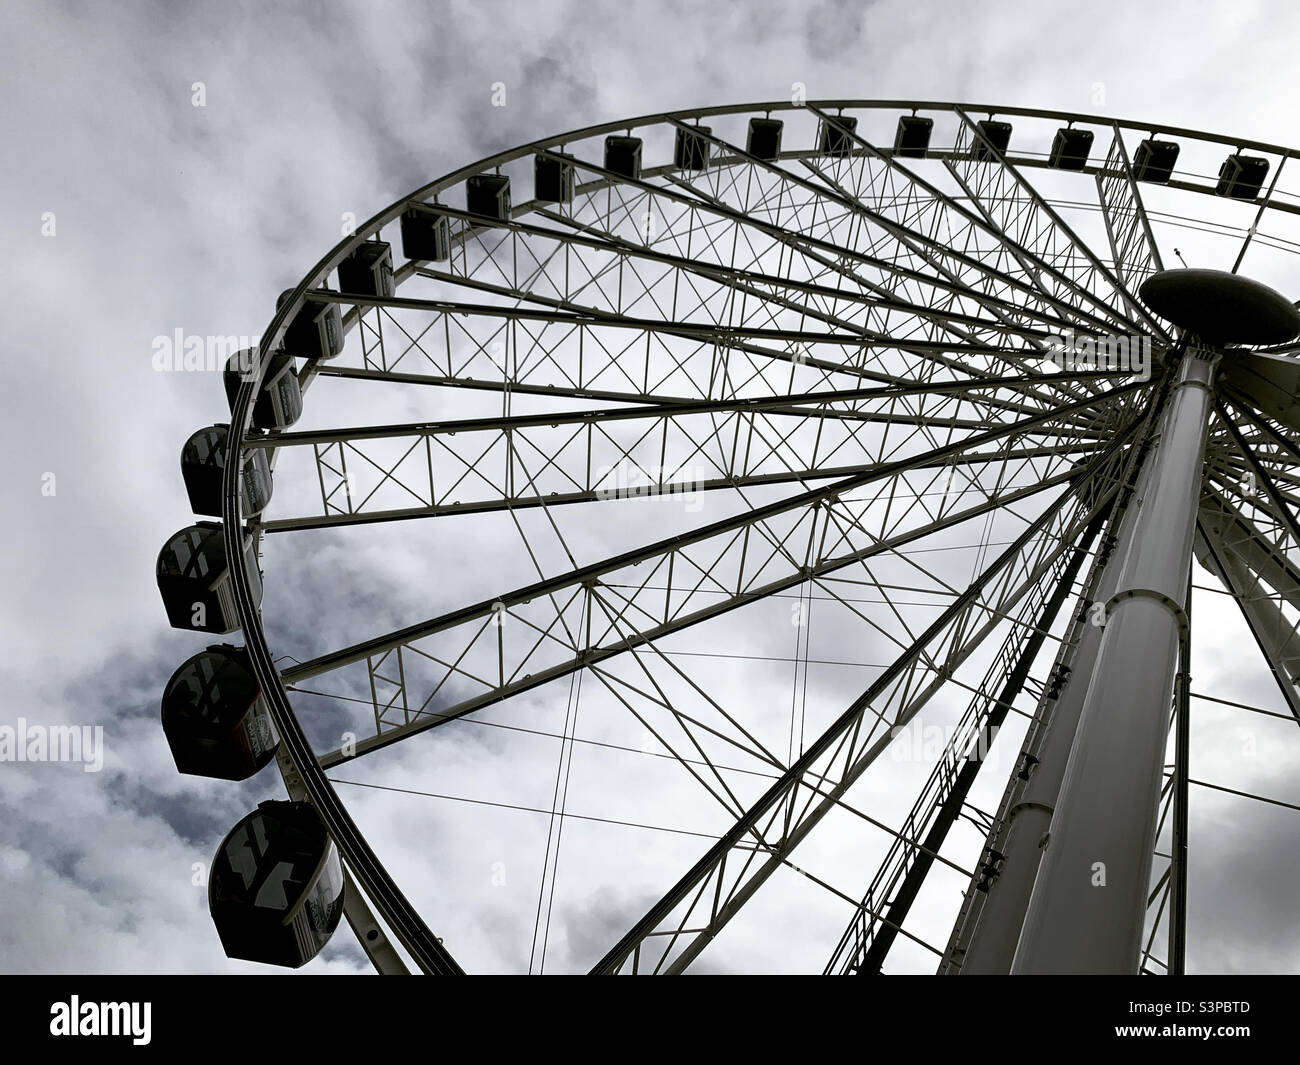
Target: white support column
(992, 944)
(1088, 904)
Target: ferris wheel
(762, 443)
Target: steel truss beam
(350, 511)
(937, 354)
(885, 297)
(832, 257)
(936, 253)
(790, 808)
(1008, 247)
(1276, 637)
(1027, 381)
(1264, 552)
(579, 234)
(1132, 244)
(866, 942)
(522, 361)
(1282, 509)
(713, 332)
(706, 384)
(573, 456)
(803, 405)
(610, 320)
(1012, 204)
(830, 526)
(390, 681)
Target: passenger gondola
(203, 467)
(215, 718)
(279, 401)
(316, 331)
(368, 271)
(194, 579)
(276, 889)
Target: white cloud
(171, 216)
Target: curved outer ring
(397, 912)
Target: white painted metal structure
(858, 348)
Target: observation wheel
(769, 547)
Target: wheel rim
(934, 345)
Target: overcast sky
(169, 216)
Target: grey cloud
(174, 216)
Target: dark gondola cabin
(991, 142)
(912, 139)
(203, 467)
(216, 722)
(1154, 160)
(279, 401)
(836, 135)
(623, 156)
(368, 271)
(195, 581)
(554, 177)
(426, 235)
(691, 148)
(763, 141)
(1242, 176)
(1070, 148)
(276, 889)
(488, 195)
(315, 332)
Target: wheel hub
(1222, 308)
